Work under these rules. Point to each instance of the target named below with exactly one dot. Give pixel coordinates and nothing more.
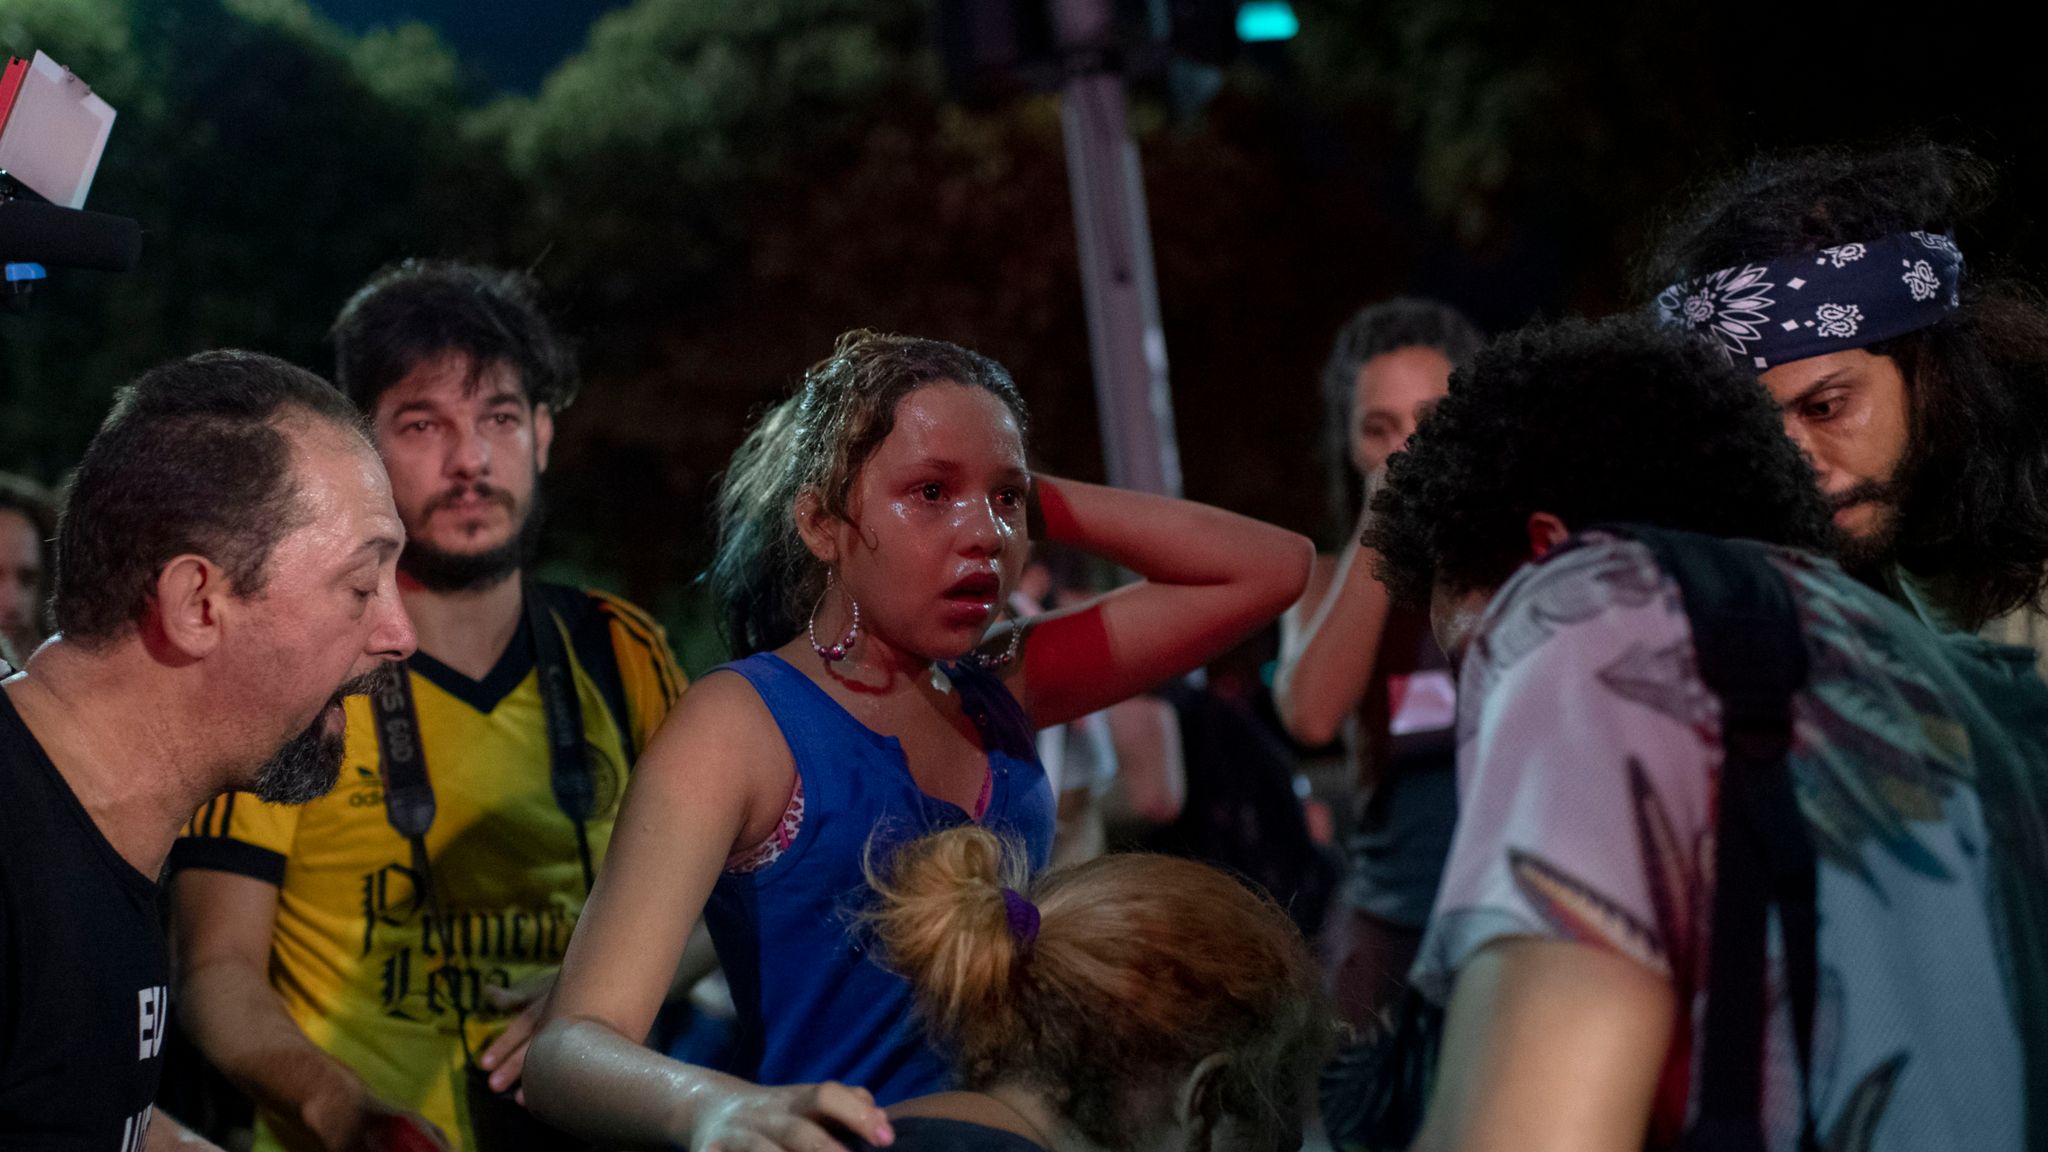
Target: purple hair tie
(1023, 917)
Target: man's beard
(438, 570)
(306, 767)
(1877, 548)
(1868, 555)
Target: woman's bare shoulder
(720, 724)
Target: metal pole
(1126, 344)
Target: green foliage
(410, 67)
(1569, 125)
(711, 190)
(1518, 107)
(681, 119)
(722, 87)
(269, 175)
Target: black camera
(36, 235)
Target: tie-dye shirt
(1587, 762)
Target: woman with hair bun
(1132, 1003)
(869, 529)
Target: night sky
(513, 43)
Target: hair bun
(944, 922)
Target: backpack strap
(1751, 653)
(590, 638)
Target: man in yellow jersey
(376, 959)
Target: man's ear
(1545, 533)
(1199, 1106)
(820, 529)
(543, 436)
(190, 591)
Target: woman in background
(1351, 666)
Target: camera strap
(409, 791)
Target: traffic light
(1265, 21)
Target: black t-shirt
(84, 997)
(931, 1134)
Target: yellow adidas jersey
(353, 955)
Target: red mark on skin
(1054, 512)
(1067, 649)
(1071, 669)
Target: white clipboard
(54, 136)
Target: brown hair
(1372, 331)
(196, 456)
(1142, 966)
(33, 501)
(763, 577)
(417, 310)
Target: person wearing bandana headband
(1915, 383)
(1628, 577)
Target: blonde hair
(1142, 966)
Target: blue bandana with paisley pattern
(1814, 303)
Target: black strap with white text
(409, 791)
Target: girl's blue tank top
(815, 1002)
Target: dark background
(712, 189)
(514, 44)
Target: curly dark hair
(417, 310)
(193, 458)
(1594, 422)
(1972, 512)
(1388, 326)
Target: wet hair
(419, 310)
(1376, 329)
(1143, 965)
(1975, 503)
(1614, 421)
(193, 458)
(763, 576)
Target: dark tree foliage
(272, 165)
(710, 190)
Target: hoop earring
(844, 647)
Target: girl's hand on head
(755, 1119)
(1209, 578)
